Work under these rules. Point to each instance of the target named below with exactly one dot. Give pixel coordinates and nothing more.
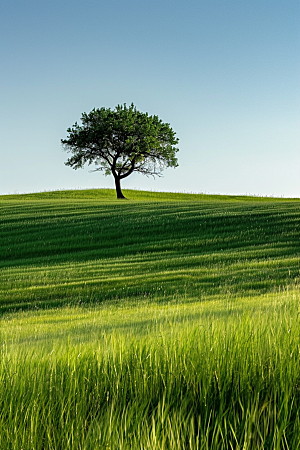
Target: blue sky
(224, 74)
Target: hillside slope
(68, 248)
(188, 338)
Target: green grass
(130, 194)
(168, 321)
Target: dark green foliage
(121, 141)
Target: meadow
(166, 321)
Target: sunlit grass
(219, 374)
(131, 194)
(168, 321)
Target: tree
(120, 142)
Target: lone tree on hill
(121, 141)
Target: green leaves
(121, 141)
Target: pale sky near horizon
(224, 74)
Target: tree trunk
(118, 188)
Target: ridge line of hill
(105, 194)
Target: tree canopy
(120, 142)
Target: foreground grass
(164, 322)
(219, 374)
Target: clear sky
(224, 73)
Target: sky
(225, 74)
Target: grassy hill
(134, 195)
(65, 249)
(167, 321)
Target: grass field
(167, 321)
